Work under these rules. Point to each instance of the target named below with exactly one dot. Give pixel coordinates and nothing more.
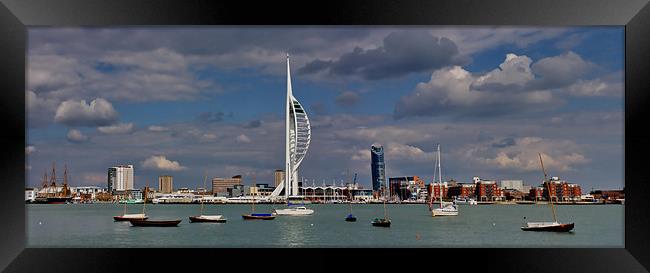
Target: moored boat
(154, 223)
(295, 211)
(208, 219)
(446, 208)
(554, 226)
(258, 216)
(350, 218)
(128, 217)
(548, 226)
(383, 222)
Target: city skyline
(184, 101)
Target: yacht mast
(548, 186)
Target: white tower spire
(298, 136)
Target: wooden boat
(154, 223)
(128, 217)
(554, 226)
(258, 216)
(206, 218)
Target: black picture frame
(17, 15)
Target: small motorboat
(208, 219)
(381, 222)
(350, 218)
(154, 223)
(547, 226)
(128, 217)
(258, 216)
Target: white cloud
(451, 91)
(76, 136)
(30, 149)
(98, 112)
(156, 128)
(243, 139)
(515, 70)
(122, 128)
(160, 162)
(521, 154)
(595, 87)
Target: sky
(209, 101)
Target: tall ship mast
(54, 194)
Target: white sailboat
(446, 208)
(201, 218)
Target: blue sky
(187, 101)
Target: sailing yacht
(446, 208)
(152, 223)
(382, 222)
(206, 218)
(548, 226)
(127, 217)
(257, 216)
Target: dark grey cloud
(348, 98)
(401, 53)
(253, 124)
(559, 71)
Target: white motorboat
(295, 211)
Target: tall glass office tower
(378, 168)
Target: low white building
(92, 190)
(30, 194)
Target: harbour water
(91, 225)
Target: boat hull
(257, 217)
(293, 212)
(435, 213)
(552, 228)
(53, 200)
(199, 219)
(159, 223)
(381, 223)
(350, 218)
(124, 219)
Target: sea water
(92, 225)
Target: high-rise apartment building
(120, 178)
(378, 169)
(165, 184)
